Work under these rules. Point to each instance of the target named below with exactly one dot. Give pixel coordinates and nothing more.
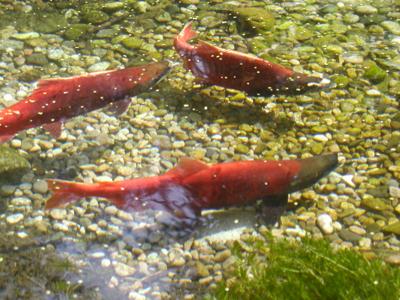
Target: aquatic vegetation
(12, 165)
(310, 269)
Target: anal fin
(272, 208)
(54, 129)
(119, 107)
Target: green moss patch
(310, 269)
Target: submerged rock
(253, 20)
(12, 165)
(392, 228)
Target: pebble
(393, 259)
(324, 222)
(353, 58)
(105, 262)
(100, 66)
(21, 201)
(58, 213)
(394, 192)
(15, 218)
(40, 186)
(135, 296)
(55, 54)
(393, 27)
(222, 255)
(366, 9)
(25, 36)
(123, 270)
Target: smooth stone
(40, 186)
(374, 204)
(392, 228)
(353, 58)
(366, 9)
(55, 54)
(58, 213)
(393, 259)
(100, 66)
(325, 222)
(222, 255)
(347, 235)
(15, 218)
(25, 36)
(38, 59)
(393, 27)
(124, 270)
(394, 192)
(21, 201)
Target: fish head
(312, 169)
(152, 74)
(299, 82)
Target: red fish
(235, 70)
(56, 100)
(193, 186)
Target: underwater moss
(310, 269)
(12, 165)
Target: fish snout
(313, 169)
(300, 82)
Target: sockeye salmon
(56, 100)
(235, 70)
(193, 186)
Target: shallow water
(115, 254)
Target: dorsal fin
(187, 166)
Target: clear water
(113, 254)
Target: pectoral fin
(54, 129)
(272, 208)
(119, 107)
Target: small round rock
(324, 222)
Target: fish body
(56, 100)
(235, 70)
(193, 186)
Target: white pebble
(105, 262)
(123, 270)
(14, 219)
(58, 213)
(324, 222)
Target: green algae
(309, 269)
(12, 165)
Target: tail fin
(187, 33)
(64, 192)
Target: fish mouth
(164, 71)
(299, 82)
(313, 169)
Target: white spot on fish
(40, 113)
(32, 100)
(266, 183)
(44, 93)
(94, 91)
(122, 188)
(52, 119)
(65, 92)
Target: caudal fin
(187, 33)
(64, 192)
